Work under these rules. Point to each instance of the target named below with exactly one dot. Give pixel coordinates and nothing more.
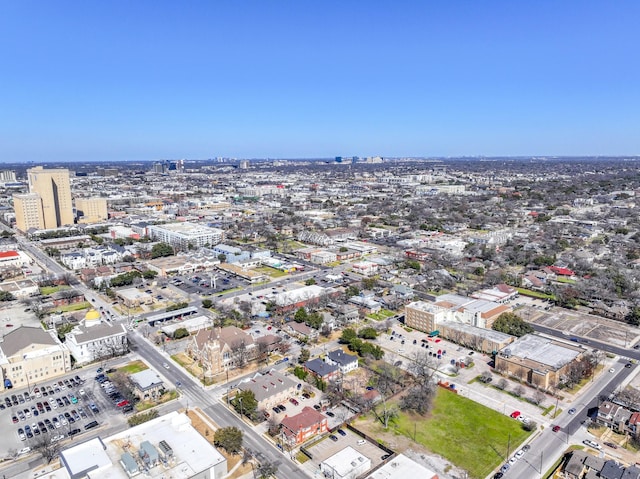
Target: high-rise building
(28, 210)
(48, 203)
(91, 210)
(54, 188)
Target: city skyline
(143, 81)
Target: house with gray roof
(321, 369)
(270, 389)
(345, 361)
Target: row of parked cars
(113, 393)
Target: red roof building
(304, 425)
(562, 271)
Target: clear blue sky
(137, 80)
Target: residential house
(301, 330)
(304, 425)
(574, 467)
(321, 369)
(614, 416)
(270, 389)
(345, 361)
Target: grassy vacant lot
(72, 307)
(535, 294)
(45, 290)
(381, 315)
(468, 434)
(133, 367)
(274, 273)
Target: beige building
(540, 361)
(426, 316)
(54, 188)
(30, 356)
(48, 203)
(91, 210)
(28, 210)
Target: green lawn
(468, 434)
(274, 273)
(72, 307)
(381, 315)
(45, 290)
(134, 367)
(534, 294)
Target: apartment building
(91, 210)
(182, 235)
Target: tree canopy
(512, 324)
(161, 249)
(229, 439)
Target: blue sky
(140, 80)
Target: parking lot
(61, 409)
(336, 442)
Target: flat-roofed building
(168, 446)
(426, 315)
(402, 467)
(184, 235)
(28, 210)
(54, 188)
(346, 464)
(538, 360)
(30, 356)
(91, 210)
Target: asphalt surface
(208, 401)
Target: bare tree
(538, 397)
(45, 445)
(263, 351)
(518, 390)
(240, 353)
(267, 469)
(502, 384)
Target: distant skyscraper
(48, 204)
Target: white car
(165, 365)
(592, 444)
(57, 438)
(519, 454)
(81, 392)
(612, 370)
(24, 450)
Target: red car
(515, 414)
(293, 401)
(555, 428)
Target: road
(208, 401)
(623, 352)
(548, 446)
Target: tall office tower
(91, 210)
(54, 189)
(7, 176)
(28, 210)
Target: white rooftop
(192, 453)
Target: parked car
(333, 438)
(341, 432)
